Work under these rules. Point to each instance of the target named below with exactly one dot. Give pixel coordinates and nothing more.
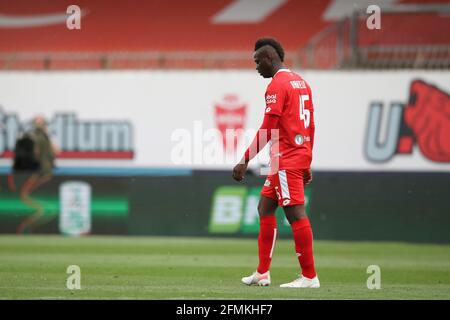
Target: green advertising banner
(228, 206)
(67, 205)
(368, 206)
(235, 211)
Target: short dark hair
(270, 42)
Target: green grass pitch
(34, 267)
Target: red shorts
(286, 187)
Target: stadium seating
(152, 34)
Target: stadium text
(71, 134)
(375, 150)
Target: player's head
(268, 56)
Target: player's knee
(291, 218)
(295, 213)
(260, 209)
(263, 211)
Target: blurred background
(136, 98)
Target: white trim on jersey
(283, 70)
(284, 184)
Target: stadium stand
(137, 34)
(410, 37)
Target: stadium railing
(130, 60)
(410, 37)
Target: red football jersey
(289, 97)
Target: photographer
(33, 164)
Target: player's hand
(307, 176)
(239, 171)
(428, 115)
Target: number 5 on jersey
(304, 113)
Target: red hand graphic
(428, 115)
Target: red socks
(303, 239)
(266, 241)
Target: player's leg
(25, 192)
(267, 232)
(267, 236)
(303, 239)
(291, 183)
(266, 242)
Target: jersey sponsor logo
(75, 138)
(230, 115)
(299, 139)
(271, 98)
(423, 121)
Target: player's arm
(262, 137)
(275, 96)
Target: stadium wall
(150, 147)
(365, 121)
(373, 206)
